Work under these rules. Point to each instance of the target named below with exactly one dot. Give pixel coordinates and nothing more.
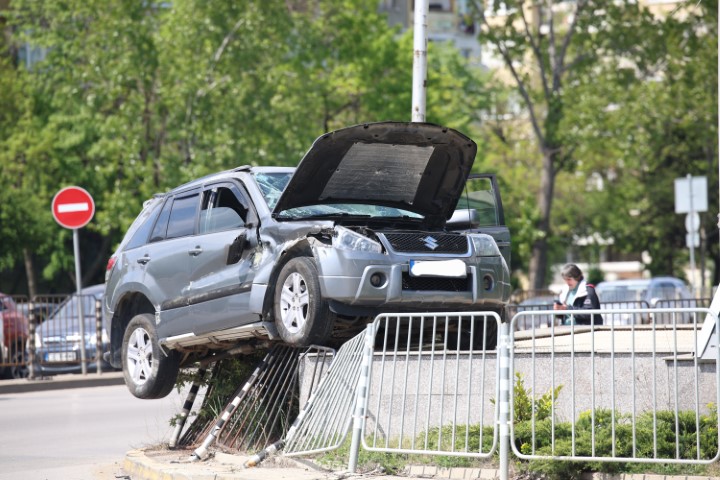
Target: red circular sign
(73, 207)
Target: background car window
(182, 216)
(221, 210)
(70, 308)
(665, 291)
(140, 236)
(160, 229)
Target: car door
(166, 259)
(221, 262)
(480, 210)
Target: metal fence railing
(427, 391)
(537, 314)
(14, 335)
(43, 335)
(635, 393)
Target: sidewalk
(156, 464)
(160, 464)
(59, 382)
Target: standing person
(577, 294)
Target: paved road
(79, 433)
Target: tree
(640, 125)
(555, 54)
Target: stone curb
(174, 465)
(61, 382)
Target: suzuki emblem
(430, 242)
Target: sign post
(419, 60)
(691, 198)
(73, 207)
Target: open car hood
(420, 167)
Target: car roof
(212, 177)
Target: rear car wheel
(302, 316)
(148, 372)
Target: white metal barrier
(431, 385)
(427, 384)
(616, 382)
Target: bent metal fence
(600, 393)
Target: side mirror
(464, 218)
(236, 249)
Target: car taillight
(108, 269)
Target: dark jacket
(585, 299)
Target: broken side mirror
(236, 249)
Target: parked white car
(642, 293)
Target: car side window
(223, 208)
(161, 225)
(182, 216)
(140, 236)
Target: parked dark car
(58, 339)
(304, 255)
(15, 328)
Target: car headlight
(346, 239)
(485, 245)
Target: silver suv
(305, 255)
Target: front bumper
(384, 281)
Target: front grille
(426, 284)
(422, 242)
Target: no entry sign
(73, 207)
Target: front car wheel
(302, 316)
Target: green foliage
(637, 108)
(133, 98)
(228, 375)
(594, 275)
(614, 434)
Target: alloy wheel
(294, 302)
(139, 356)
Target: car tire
(302, 316)
(148, 372)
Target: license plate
(61, 357)
(438, 268)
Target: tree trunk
(538, 260)
(30, 272)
